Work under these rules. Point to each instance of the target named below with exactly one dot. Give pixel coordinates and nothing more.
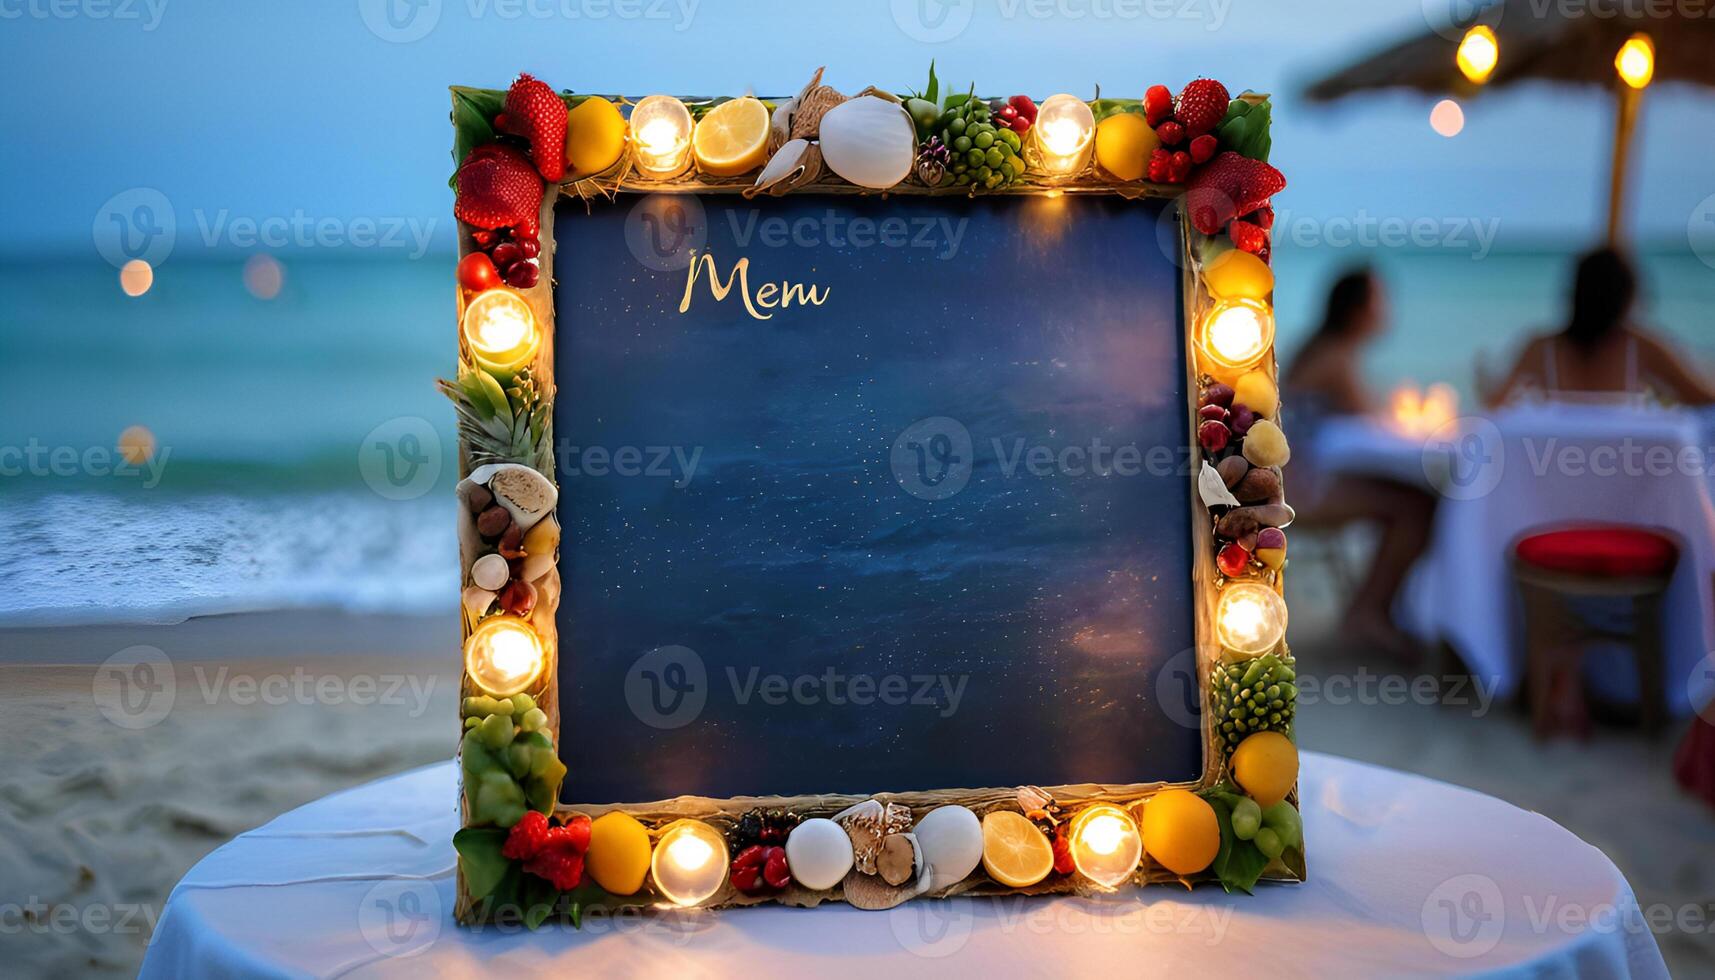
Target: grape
(533, 720)
(994, 157)
(496, 732)
(962, 144)
(1284, 820)
(1269, 843)
(1247, 819)
(984, 140)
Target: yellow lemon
(1256, 390)
(595, 137)
(618, 855)
(1266, 765)
(1181, 831)
(1015, 853)
(732, 138)
(1236, 274)
(1124, 142)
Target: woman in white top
(1600, 355)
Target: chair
(1554, 569)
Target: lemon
(732, 138)
(1015, 853)
(1124, 142)
(1266, 765)
(1181, 831)
(618, 855)
(1236, 274)
(1257, 390)
(595, 137)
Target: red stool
(1554, 569)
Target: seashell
(797, 163)
(526, 494)
(1034, 798)
(813, 103)
(780, 125)
(900, 861)
(952, 841)
(868, 824)
(870, 142)
(819, 853)
(490, 572)
(476, 601)
(541, 548)
(1213, 489)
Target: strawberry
(1201, 105)
(534, 112)
(1203, 147)
(1262, 218)
(1157, 105)
(526, 837)
(1248, 237)
(497, 188)
(1228, 186)
(560, 856)
(1170, 133)
(1180, 166)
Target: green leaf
(933, 92)
(474, 110)
(480, 858)
(496, 395)
(1245, 129)
(541, 899)
(1239, 863)
(1103, 108)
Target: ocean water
(304, 458)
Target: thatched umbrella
(1566, 42)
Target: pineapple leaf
(496, 394)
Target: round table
(1407, 876)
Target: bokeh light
(136, 276)
(1447, 118)
(264, 276)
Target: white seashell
(868, 824)
(541, 548)
(819, 854)
(1213, 489)
(526, 494)
(490, 572)
(951, 838)
(476, 602)
(869, 141)
(780, 124)
(795, 163)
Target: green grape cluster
(1251, 696)
(1272, 830)
(508, 760)
(984, 155)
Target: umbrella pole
(1625, 121)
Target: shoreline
(239, 636)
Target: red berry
(1159, 161)
(1228, 186)
(497, 187)
(1241, 420)
(1157, 104)
(1008, 112)
(527, 227)
(1213, 435)
(1203, 147)
(505, 254)
(483, 238)
(1233, 560)
(1262, 218)
(1026, 108)
(527, 836)
(477, 272)
(534, 112)
(1062, 852)
(1215, 412)
(1251, 238)
(1180, 167)
(530, 247)
(1170, 132)
(522, 274)
(1218, 394)
(774, 870)
(1266, 254)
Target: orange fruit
(1181, 831)
(1015, 853)
(1266, 765)
(1124, 142)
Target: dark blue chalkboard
(930, 533)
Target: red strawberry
(1170, 132)
(497, 188)
(1201, 105)
(1203, 147)
(1248, 237)
(1180, 166)
(1228, 186)
(526, 837)
(1157, 105)
(534, 112)
(560, 858)
(1262, 217)
(1159, 161)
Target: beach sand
(96, 816)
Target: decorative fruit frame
(524, 856)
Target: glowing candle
(1635, 61)
(690, 862)
(1064, 134)
(1250, 618)
(500, 329)
(504, 656)
(661, 136)
(1106, 845)
(1479, 52)
(1238, 332)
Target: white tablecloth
(1407, 876)
(1545, 465)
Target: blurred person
(1326, 379)
(1600, 355)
